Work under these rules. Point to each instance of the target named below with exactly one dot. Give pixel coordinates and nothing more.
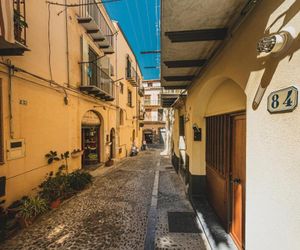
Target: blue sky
(139, 19)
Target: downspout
(67, 45)
(10, 98)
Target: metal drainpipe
(67, 45)
(10, 98)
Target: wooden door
(238, 179)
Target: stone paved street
(113, 213)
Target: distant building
(155, 117)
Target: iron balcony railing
(93, 75)
(89, 8)
(20, 24)
(152, 102)
(131, 73)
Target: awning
(191, 32)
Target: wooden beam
(197, 35)
(179, 78)
(185, 63)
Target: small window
(121, 88)
(121, 117)
(129, 101)
(181, 125)
(1, 126)
(150, 84)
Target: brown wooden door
(238, 179)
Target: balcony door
(93, 58)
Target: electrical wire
(81, 4)
(140, 22)
(147, 11)
(49, 43)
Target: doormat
(182, 222)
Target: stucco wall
(272, 200)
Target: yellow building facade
(61, 73)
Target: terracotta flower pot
(55, 204)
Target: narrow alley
(115, 212)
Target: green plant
(52, 156)
(3, 221)
(65, 156)
(33, 207)
(79, 180)
(55, 187)
(19, 20)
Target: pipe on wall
(67, 45)
(10, 99)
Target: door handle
(236, 181)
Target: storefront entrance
(91, 139)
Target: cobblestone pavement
(112, 213)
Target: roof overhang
(191, 33)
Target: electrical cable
(81, 4)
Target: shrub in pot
(30, 209)
(3, 221)
(79, 180)
(56, 187)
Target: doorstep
(217, 237)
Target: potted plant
(76, 153)
(3, 221)
(30, 209)
(78, 180)
(56, 187)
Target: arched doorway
(112, 143)
(91, 138)
(148, 136)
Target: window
(121, 88)
(1, 126)
(181, 125)
(147, 99)
(121, 117)
(150, 84)
(160, 115)
(129, 98)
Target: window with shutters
(1, 126)
(181, 125)
(218, 143)
(129, 98)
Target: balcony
(96, 82)
(131, 75)
(13, 39)
(92, 19)
(141, 91)
(169, 96)
(149, 102)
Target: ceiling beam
(185, 63)
(183, 86)
(179, 78)
(197, 35)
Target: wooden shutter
(181, 125)
(85, 59)
(218, 143)
(1, 126)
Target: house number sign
(284, 100)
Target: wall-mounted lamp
(197, 132)
(277, 42)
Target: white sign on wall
(284, 100)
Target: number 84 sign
(284, 100)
